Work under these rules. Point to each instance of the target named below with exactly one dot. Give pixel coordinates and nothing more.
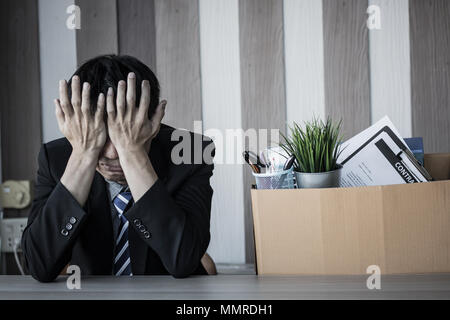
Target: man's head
(106, 71)
(102, 73)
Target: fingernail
(61, 82)
(110, 91)
(101, 95)
(145, 82)
(86, 85)
(75, 78)
(131, 75)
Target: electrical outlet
(11, 230)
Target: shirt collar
(115, 188)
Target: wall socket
(10, 230)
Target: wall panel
(178, 60)
(221, 91)
(20, 96)
(347, 90)
(20, 100)
(390, 77)
(430, 72)
(98, 33)
(58, 59)
(137, 31)
(262, 80)
(303, 38)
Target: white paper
(369, 166)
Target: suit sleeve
(176, 227)
(53, 225)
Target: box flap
(438, 165)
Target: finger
(99, 113)
(159, 114)
(59, 113)
(120, 99)
(110, 105)
(76, 98)
(86, 99)
(144, 102)
(64, 98)
(131, 94)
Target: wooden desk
(226, 286)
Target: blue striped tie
(122, 262)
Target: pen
(289, 162)
(256, 159)
(254, 165)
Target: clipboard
(403, 150)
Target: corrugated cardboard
(401, 228)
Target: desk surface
(230, 287)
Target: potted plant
(316, 150)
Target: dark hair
(106, 71)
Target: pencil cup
(275, 180)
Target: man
(108, 196)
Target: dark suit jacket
(175, 211)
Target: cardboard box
(401, 228)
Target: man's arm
(177, 228)
(47, 248)
(57, 214)
(131, 132)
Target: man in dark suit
(109, 197)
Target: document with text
(378, 156)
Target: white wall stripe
(221, 100)
(304, 63)
(390, 75)
(58, 58)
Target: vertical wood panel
(98, 33)
(136, 29)
(178, 60)
(262, 80)
(390, 78)
(303, 38)
(20, 99)
(219, 35)
(347, 94)
(430, 72)
(58, 59)
(20, 89)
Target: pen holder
(275, 180)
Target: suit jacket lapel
(100, 225)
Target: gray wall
(20, 94)
(430, 72)
(58, 59)
(20, 98)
